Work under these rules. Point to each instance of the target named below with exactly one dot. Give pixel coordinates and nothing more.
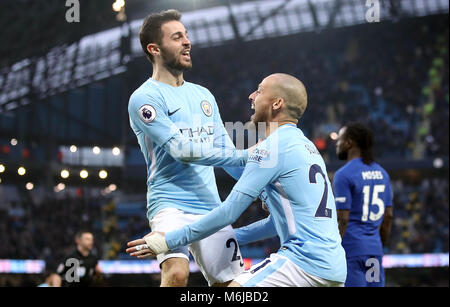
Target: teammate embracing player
(288, 173)
(181, 134)
(364, 204)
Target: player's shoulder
(197, 86)
(294, 141)
(201, 89)
(279, 141)
(381, 169)
(289, 143)
(148, 92)
(290, 135)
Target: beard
(173, 62)
(257, 118)
(261, 116)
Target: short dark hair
(364, 139)
(150, 31)
(80, 233)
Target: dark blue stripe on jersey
(260, 267)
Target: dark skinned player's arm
(385, 229)
(343, 216)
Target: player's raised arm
(222, 140)
(150, 116)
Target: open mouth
(186, 54)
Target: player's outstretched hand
(152, 244)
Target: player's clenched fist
(151, 245)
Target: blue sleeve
(342, 191)
(149, 115)
(234, 171)
(218, 218)
(263, 167)
(223, 140)
(260, 170)
(260, 230)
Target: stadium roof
(31, 27)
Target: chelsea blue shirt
(365, 190)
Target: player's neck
(353, 153)
(83, 251)
(169, 76)
(274, 125)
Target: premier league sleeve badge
(147, 113)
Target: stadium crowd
(376, 75)
(42, 225)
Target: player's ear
(349, 143)
(278, 103)
(153, 49)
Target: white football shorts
(279, 271)
(217, 256)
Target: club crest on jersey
(147, 113)
(206, 108)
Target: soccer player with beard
(287, 171)
(181, 134)
(364, 205)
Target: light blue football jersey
(290, 172)
(181, 135)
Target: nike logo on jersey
(172, 113)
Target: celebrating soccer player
(288, 173)
(181, 134)
(364, 202)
